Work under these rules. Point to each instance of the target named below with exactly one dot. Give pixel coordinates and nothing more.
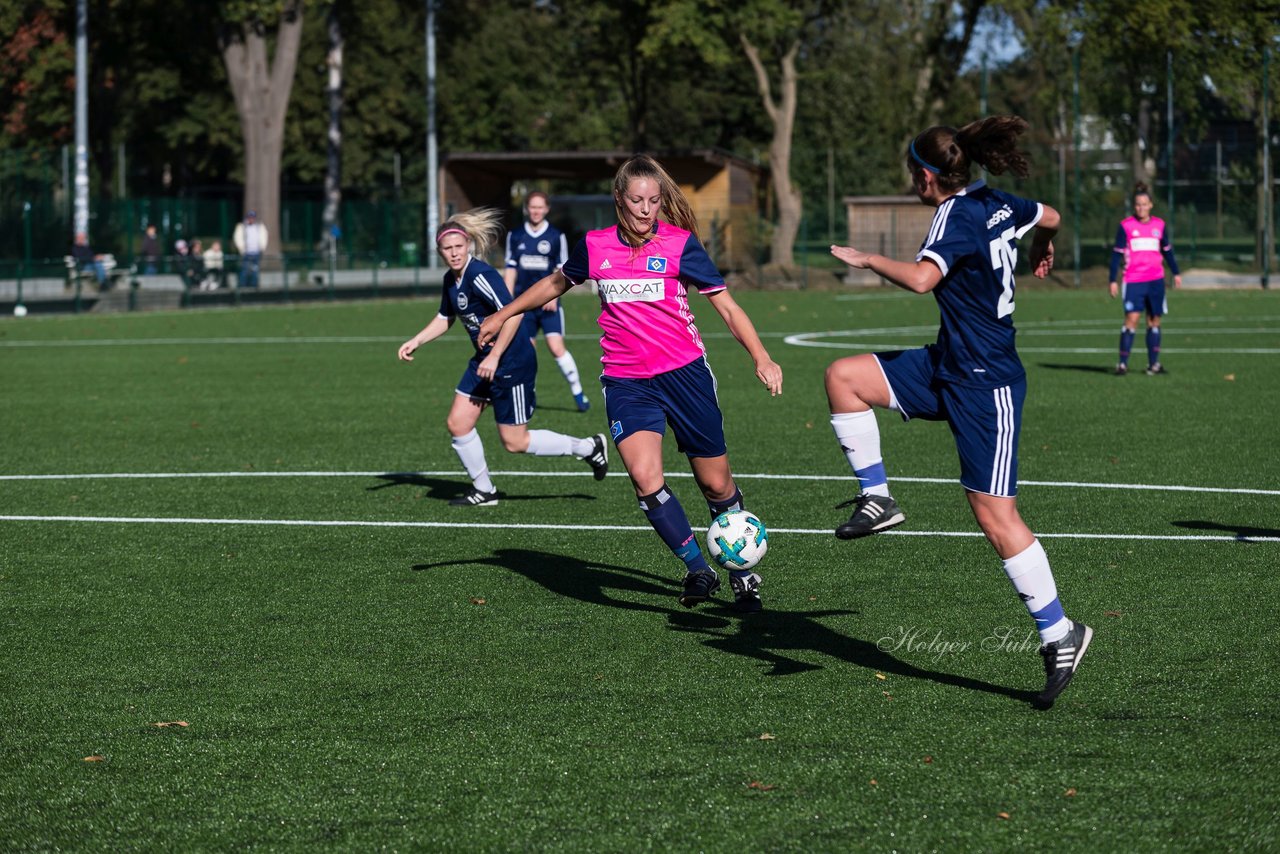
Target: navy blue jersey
(973, 240)
(478, 293)
(535, 254)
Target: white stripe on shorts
(517, 400)
(1003, 463)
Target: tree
(771, 35)
(261, 87)
(1239, 40)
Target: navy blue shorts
(984, 421)
(512, 399)
(550, 322)
(1147, 297)
(684, 398)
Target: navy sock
(668, 519)
(732, 503)
(1153, 344)
(1126, 344)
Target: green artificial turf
(362, 666)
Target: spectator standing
(150, 252)
(250, 239)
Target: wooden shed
(726, 191)
(893, 226)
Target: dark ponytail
(992, 143)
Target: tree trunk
(333, 173)
(782, 114)
(261, 89)
(1141, 153)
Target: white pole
(433, 191)
(80, 221)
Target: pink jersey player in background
(1143, 244)
(655, 366)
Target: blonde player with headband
(499, 374)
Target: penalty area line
(519, 526)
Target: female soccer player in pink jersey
(655, 366)
(1143, 243)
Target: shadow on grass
(766, 637)
(1088, 369)
(1243, 533)
(444, 490)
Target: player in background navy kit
(499, 375)
(535, 250)
(971, 377)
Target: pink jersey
(1143, 245)
(645, 316)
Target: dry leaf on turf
(171, 723)
(475, 600)
(1003, 815)
(881, 676)
(873, 782)
(94, 758)
(767, 736)
(1112, 614)
(928, 760)
(756, 784)
(1230, 378)
(1070, 793)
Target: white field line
(801, 339)
(509, 526)
(1066, 484)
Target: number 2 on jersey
(1004, 257)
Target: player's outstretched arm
(916, 276)
(433, 330)
(544, 291)
(768, 371)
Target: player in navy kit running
(534, 250)
(500, 374)
(971, 377)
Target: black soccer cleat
(746, 593)
(699, 587)
(1155, 368)
(598, 459)
(1061, 658)
(475, 498)
(873, 514)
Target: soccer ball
(737, 539)
(19, 310)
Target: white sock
(1032, 578)
(859, 436)
(548, 443)
(470, 450)
(569, 368)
